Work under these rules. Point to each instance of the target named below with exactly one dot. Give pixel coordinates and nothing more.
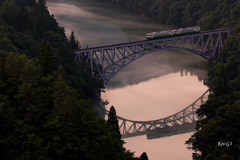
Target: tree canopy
(217, 135)
(184, 13)
(46, 96)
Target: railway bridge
(106, 61)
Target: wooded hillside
(46, 97)
(209, 14)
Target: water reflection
(89, 32)
(167, 148)
(96, 23)
(131, 23)
(156, 98)
(172, 131)
(151, 87)
(160, 63)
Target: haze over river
(153, 87)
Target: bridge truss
(130, 128)
(106, 61)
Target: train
(174, 32)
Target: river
(152, 87)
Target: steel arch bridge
(106, 61)
(130, 128)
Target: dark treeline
(217, 136)
(46, 97)
(209, 14)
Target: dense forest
(217, 136)
(46, 97)
(209, 14)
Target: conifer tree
(22, 21)
(113, 121)
(74, 44)
(28, 2)
(13, 67)
(62, 94)
(29, 91)
(6, 119)
(46, 59)
(41, 18)
(68, 122)
(9, 11)
(67, 56)
(3, 86)
(144, 156)
(42, 4)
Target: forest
(47, 97)
(184, 13)
(217, 133)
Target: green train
(175, 32)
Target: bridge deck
(137, 42)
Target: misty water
(152, 87)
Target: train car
(175, 32)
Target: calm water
(152, 87)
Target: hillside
(183, 13)
(46, 97)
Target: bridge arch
(106, 61)
(130, 128)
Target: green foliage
(46, 97)
(46, 59)
(182, 13)
(13, 67)
(44, 116)
(22, 20)
(221, 123)
(6, 43)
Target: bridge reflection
(180, 122)
(170, 131)
(107, 61)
